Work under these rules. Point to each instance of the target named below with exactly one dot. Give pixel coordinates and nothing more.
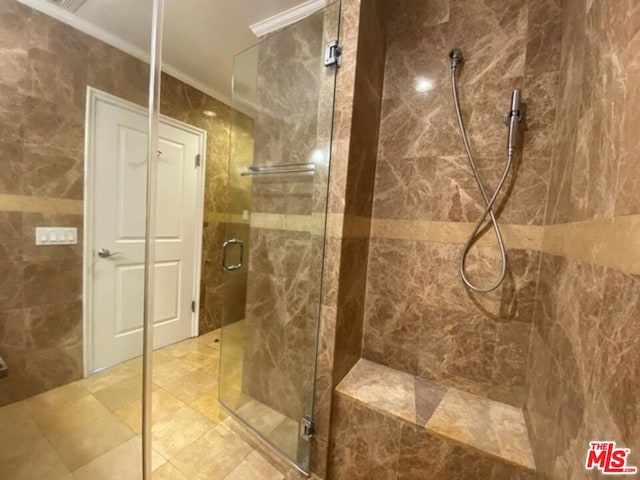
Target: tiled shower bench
(393, 425)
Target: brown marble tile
(12, 278)
(425, 456)
(371, 434)
(52, 281)
(544, 36)
(11, 245)
(346, 464)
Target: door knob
(106, 253)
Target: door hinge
(333, 54)
(198, 160)
(193, 306)
(307, 428)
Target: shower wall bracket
(333, 54)
(307, 428)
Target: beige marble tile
(57, 398)
(39, 462)
(226, 449)
(207, 405)
(54, 421)
(84, 444)
(481, 424)
(168, 373)
(260, 416)
(113, 375)
(120, 394)
(191, 385)
(168, 472)
(178, 430)
(255, 467)
(56, 206)
(18, 433)
(123, 462)
(163, 404)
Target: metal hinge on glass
(307, 428)
(333, 54)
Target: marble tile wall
(353, 160)
(46, 67)
(583, 369)
(419, 317)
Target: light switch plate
(56, 236)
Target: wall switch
(245, 214)
(56, 236)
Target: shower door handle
(225, 246)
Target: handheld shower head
(456, 57)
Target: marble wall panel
(582, 377)
(353, 157)
(419, 316)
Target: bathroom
(311, 207)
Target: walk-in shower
(511, 119)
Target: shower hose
(488, 211)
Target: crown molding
(93, 30)
(287, 17)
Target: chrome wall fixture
(512, 119)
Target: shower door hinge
(333, 54)
(198, 160)
(307, 428)
(193, 306)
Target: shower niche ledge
(413, 428)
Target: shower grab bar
(279, 169)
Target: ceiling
(201, 37)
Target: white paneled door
(117, 164)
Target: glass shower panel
(283, 95)
(73, 159)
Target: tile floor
(90, 429)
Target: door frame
(93, 97)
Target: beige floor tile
(120, 394)
(87, 443)
(260, 416)
(55, 422)
(207, 360)
(57, 398)
(209, 339)
(207, 405)
(185, 347)
(40, 462)
(18, 431)
(223, 449)
(163, 405)
(255, 467)
(160, 357)
(178, 431)
(121, 463)
(191, 385)
(168, 472)
(170, 372)
(113, 375)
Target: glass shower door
(283, 95)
